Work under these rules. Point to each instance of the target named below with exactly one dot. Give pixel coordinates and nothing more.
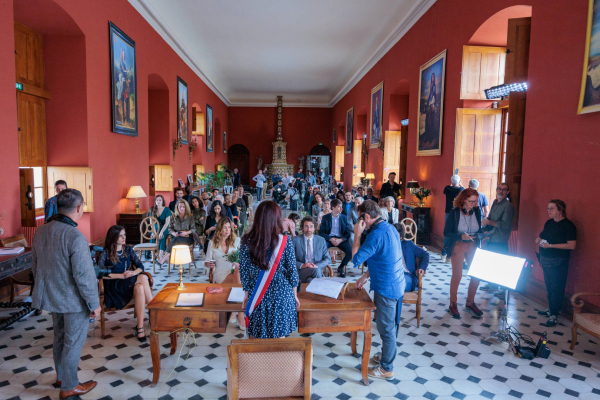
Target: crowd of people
(273, 255)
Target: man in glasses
(500, 221)
(383, 252)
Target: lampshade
(136, 192)
(412, 185)
(370, 175)
(180, 255)
(360, 175)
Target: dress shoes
(341, 272)
(78, 390)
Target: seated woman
(410, 253)
(318, 205)
(326, 210)
(289, 224)
(224, 243)
(127, 277)
(389, 213)
(217, 211)
(199, 215)
(163, 215)
(181, 229)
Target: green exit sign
(19, 86)
(320, 144)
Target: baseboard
(437, 242)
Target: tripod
(503, 334)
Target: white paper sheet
(325, 287)
(190, 300)
(6, 251)
(236, 295)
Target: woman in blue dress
(163, 214)
(276, 315)
(126, 278)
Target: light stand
(503, 334)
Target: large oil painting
(209, 129)
(589, 100)
(182, 111)
(224, 142)
(376, 116)
(123, 82)
(349, 130)
(431, 106)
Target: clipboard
(190, 300)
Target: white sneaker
(380, 373)
(443, 258)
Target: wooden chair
(24, 278)
(587, 322)
(269, 368)
(410, 229)
(334, 252)
(191, 253)
(415, 297)
(148, 232)
(104, 309)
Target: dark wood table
(317, 314)
(10, 265)
(131, 221)
(421, 216)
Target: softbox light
(506, 271)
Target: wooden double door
(238, 157)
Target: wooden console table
(131, 222)
(317, 314)
(10, 265)
(421, 216)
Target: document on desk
(325, 287)
(236, 295)
(190, 300)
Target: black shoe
(552, 321)
(137, 334)
(341, 272)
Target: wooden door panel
(517, 59)
(79, 178)
(403, 155)
(31, 111)
(29, 63)
(27, 184)
(514, 148)
(482, 68)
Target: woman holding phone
(462, 225)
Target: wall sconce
(370, 176)
(193, 146)
(29, 198)
(152, 180)
(176, 144)
(381, 147)
(365, 149)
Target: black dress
(119, 292)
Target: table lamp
(181, 255)
(412, 185)
(135, 192)
(360, 176)
(370, 176)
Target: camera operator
(67, 287)
(279, 192)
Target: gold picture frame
(589, 97)
(349, 130)
(430, 115)
(376, 122)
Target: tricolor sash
(264, 278)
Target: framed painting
(182, 111)
(431, 106)
(376, 116)
(349, 130)
(224, 142)
(589, 99)
(334, 136)
(123, 77)
(209, 129)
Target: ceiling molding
(399, 31)
(152, 17)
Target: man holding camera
(67, 287)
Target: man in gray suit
(311, 252)
(66, 286)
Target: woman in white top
(389, 213)
(224, 243)
(326, 210)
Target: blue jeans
(386, 326)
(259, 190)
(445, 239)
(408, 279)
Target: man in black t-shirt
(391, 188)
(451, 191)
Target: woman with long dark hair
(197, 209)
(181, 228)
(126, 278)
(217, 211)
(556, 241)
(163, 215)
(318, 205)
(462, 225)
(267, 252)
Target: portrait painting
(349, 130)
(224, 142)
(123, 82)
(431, 106)
(182, 111)
(334, 136)
(209, 129)
(589, 100)
(376, 116)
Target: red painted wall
(302, 128)
(561, 150)
(118, 161)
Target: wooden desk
(317, 314)
(10, 265)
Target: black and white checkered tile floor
(444, 359)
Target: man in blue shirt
(51, 208)
(383, 253)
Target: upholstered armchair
(587, 322)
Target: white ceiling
(310, 51)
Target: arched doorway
(238, 157)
